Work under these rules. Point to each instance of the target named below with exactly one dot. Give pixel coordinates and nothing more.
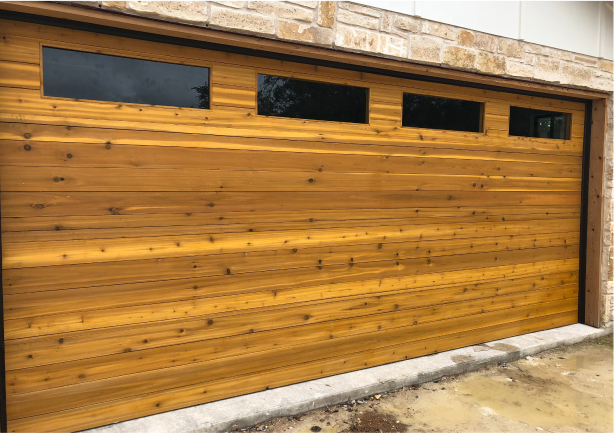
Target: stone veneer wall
(353, 27)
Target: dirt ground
(568, 389)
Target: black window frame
(115, 54)
(546, 113)
(280, 74)
(480, 120)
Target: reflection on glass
(100, 77)
(420, 111)
(527, 122)
(287, 97)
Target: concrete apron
(289, 400)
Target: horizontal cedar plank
(32, 352)
(26, 204)
(60, 233)
(40, 154)
(33, 254)
(387, 95)
(58, 179)
(240, 123)
(21, 75)
(141, 405)
(232, 96)
(70, 135)
(63, 347)
(66, 300)
(136, 271)
(337, 321)
(227, 75)
(19, 406)
(18, 49)
(383, 111)
(294, 129)
(270, 221)
(45, 325)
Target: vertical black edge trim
(586, 154)
(152, 37)
(3, 420)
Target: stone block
(491, 63)
(326, 14)
(606, 309)
(425, 49)
(466, 38)
(242, 21)
(529, 59)
(280, 9)
(557, 54)
(576, 75)
(598, 83)
(232, 4)
(348, 17)
(438, 29)
(186, 12)
(510, 47)
(459, 57)
(532, 49)
(547, 69)
(292, 31)
(586, 60)
(307, 4)
(354, 7)
(601, 74)
(486, 42)
(385, 24)
(516, 69)
(114, 5)
(407, 23)
(606, 65)
(368, 41)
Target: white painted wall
(583, 27)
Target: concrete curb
(294, 399)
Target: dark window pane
(100, 77)
(527, 122)
(287, 97)
(420, 111)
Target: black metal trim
(586, 156)
(3, 420)
(152, 37)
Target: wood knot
(27, 135)
(27, 147)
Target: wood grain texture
(158, 257)
(594, 230)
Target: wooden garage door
(155, 257)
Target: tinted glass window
(287, 97)
(420, 111)
(527, 122)
(79, 75)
